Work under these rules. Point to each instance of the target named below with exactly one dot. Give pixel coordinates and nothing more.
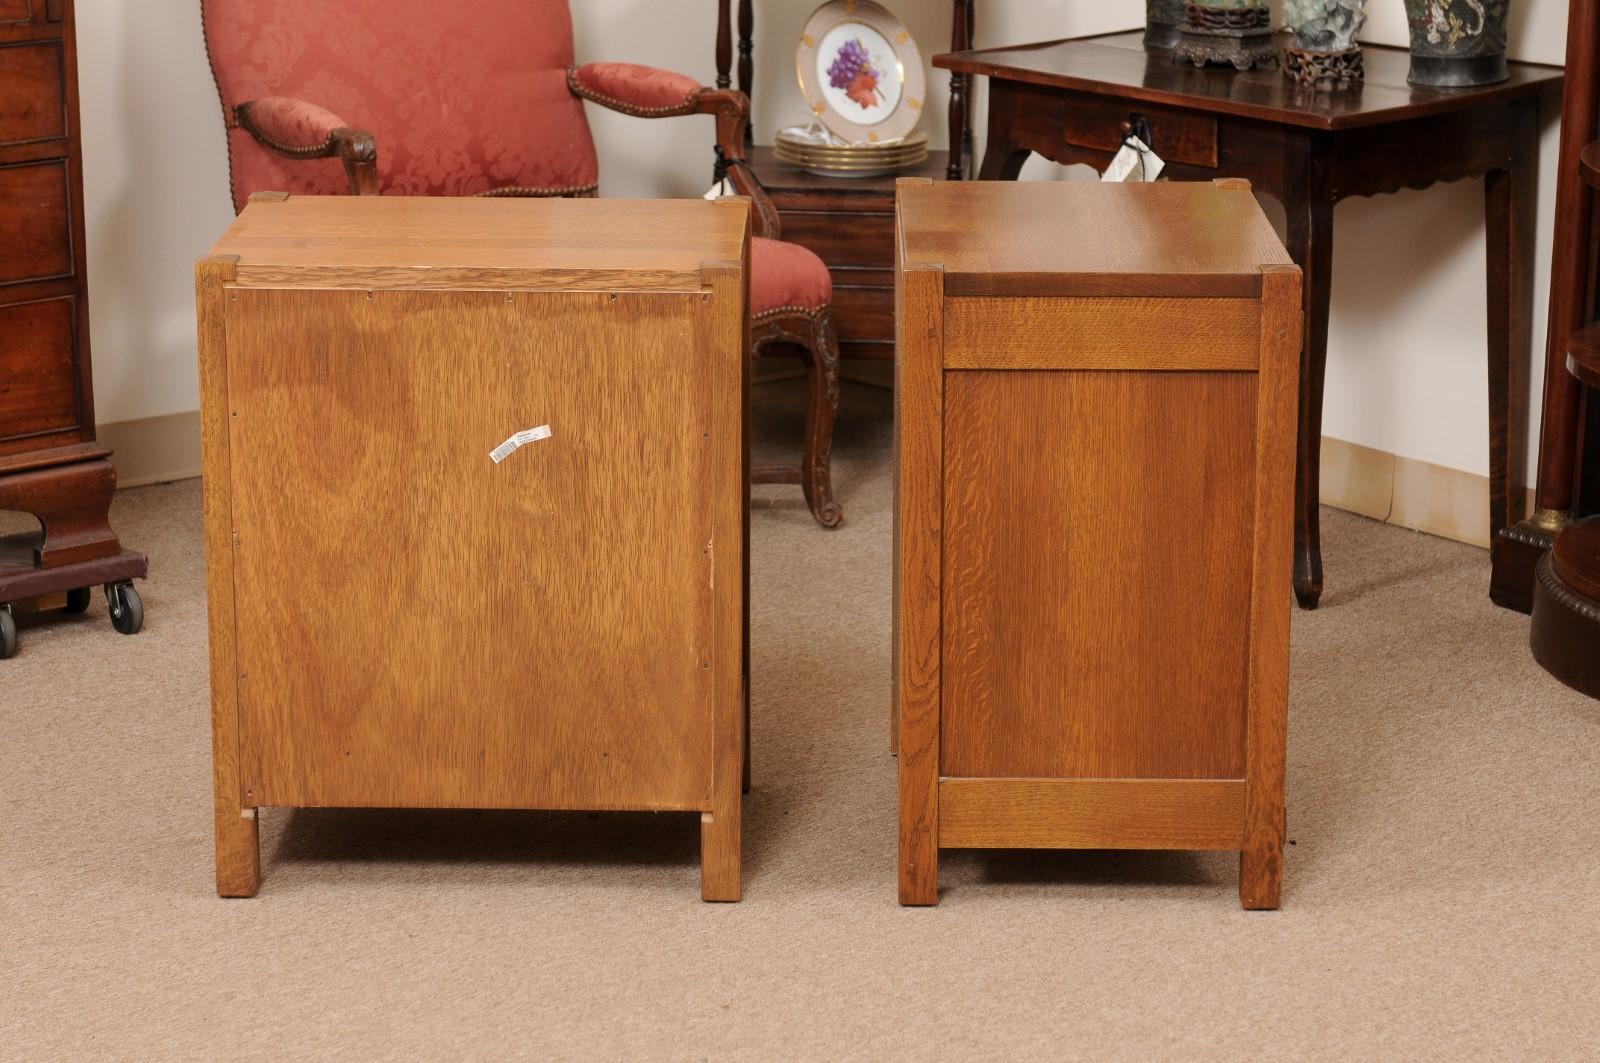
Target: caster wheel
(8, 634)
(127, 611)
(78, 600)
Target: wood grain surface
(1089, 630)
(1035, 333)
(436, 243)
(419, 626)
(1278, 388)
(1091, 813)
(238, 862)
(722, 335)
(919, 302)
(1094, 518)
(1162, 240)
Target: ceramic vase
(1457, 43)
(1162, 21)
(1323, 49)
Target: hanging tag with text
(1134, 161)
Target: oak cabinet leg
(919, 876)
(238, 853)
(1261, 878)
(720, 857)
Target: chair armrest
(296, 129)
(646, 92)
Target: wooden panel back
(1097, 566)
(418, 626)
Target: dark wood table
(1068, 100)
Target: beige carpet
(1442, 896)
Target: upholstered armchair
(417, 97)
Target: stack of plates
(866, 160)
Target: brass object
(1550, 520)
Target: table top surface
(662, 242)
(1118, 64)
(1168, 238)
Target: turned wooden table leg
(1310, 242)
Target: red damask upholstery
(293, 124)
(786, 276)
(640, 89)
(465, 98)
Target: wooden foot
(73, 504)
(238, 853)
(919, 864)
(720, 855)
(1260, 878)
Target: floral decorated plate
(861, 72)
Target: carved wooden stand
(1240, 37)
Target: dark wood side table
(1067, 100)
(964, 21)
(849, 222)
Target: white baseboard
(154, 450)
(1412, 494)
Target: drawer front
(35, 231)
(16, 11)
(33, 101)
(1179, 136)
(38, 385)
(844, 239)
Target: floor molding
(1406, 492)
(153, 450)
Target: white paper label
(1134, 161)
(521, 439)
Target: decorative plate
(861, 72)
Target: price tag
(1134, 161)
(521, 439)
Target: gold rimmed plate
(861, 72)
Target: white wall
(1406, 362)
